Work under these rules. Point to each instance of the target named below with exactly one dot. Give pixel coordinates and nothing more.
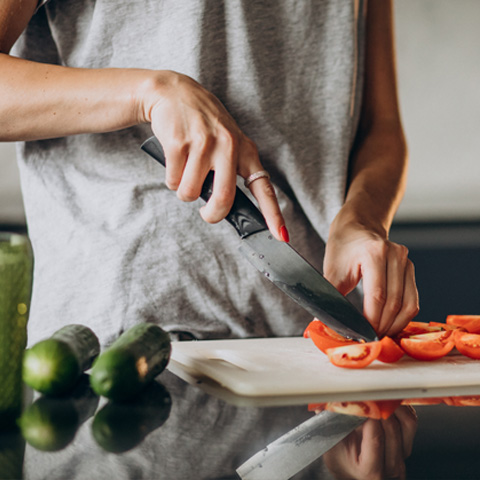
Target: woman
(239, 87)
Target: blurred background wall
(438, 61)
(438, 45)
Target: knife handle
(244, 216)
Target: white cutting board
(271, 367)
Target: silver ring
(255, 176)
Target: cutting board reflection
(294, 366)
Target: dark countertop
(177, 431)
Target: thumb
(341, 278)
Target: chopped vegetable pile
(419, 340)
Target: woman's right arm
(41, 101)
(44, 101)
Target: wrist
(150, 90)
(351, 219)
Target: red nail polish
(284, 234)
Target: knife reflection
(299, 447)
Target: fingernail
(284, 234)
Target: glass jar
(16, 277)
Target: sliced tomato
(428, 346)
(468, 344)
(443, 326)
(359, 409)
(423, 401)
(324, 337)
(390, 352)
(473, 326)
(471, 323)
(372, 409)
(465, 401)
(387, 407)
(441, 336)
(417, 328)
(358, 355)
(316, 407)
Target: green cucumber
(53, 366)
(51, 423)
(131, 362)
(119, 427)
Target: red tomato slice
(390, 352)
(465, 401)
(359, 409)
(471, 323)
(428, 346)
(443, 326)
(387, 407)
(324, 337)
(358, 355)
(417, 328)
(468, 344)
(424, 401)
(316, 407)
(441, 336)
(473, 326)
(372, 409)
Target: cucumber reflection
(119, 427)
(51, 423)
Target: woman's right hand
(196, 131)
(198, 135)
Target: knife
(282, 265)
(296, 449)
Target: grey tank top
(113, 246)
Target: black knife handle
(245, 217)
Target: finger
(263, 191)
(394, 463)
(224, 184)
(192, 177)
(374, 274)
(371, 457)
(175, 160)
(343, 459)
(396, 263)
(196, 168)
(410, 305)
(408, 422)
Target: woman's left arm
(358, 246)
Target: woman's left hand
(375, 450)
(390, 293)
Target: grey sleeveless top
(113, 246)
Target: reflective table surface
(176, 430)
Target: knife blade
(283, 265)
(296, 449)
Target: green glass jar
(16, 274)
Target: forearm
(377, 179)
(378, 163)
(197, 133)
(45, 101)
